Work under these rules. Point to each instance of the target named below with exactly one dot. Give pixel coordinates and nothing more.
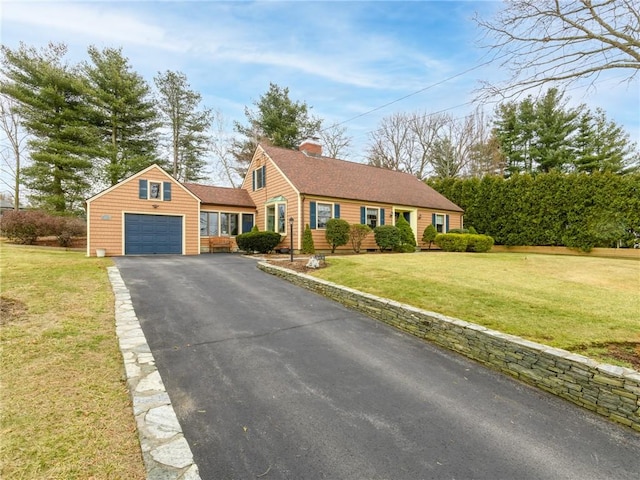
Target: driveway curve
(271, 381)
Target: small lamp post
(291, 239)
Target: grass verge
(585, 305)
(65, 408)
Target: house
(152, 213)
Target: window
(320, 213)
(154, 190)
(324, 214)
(209, 224)
(372, 216)
(247, 222)
(260, 177)
(149, 190)
(277, 218)
(441, 222)
(228, 224)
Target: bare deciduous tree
(403, 142)
(542, 41)
(13, 147)
(428, 144)
(335, 141)
(221, 147)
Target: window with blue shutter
(363, 215)
(264, 176)
(253, 180)
(336, 210)
(312, 215)
(382, 216)
(446, 223)
(142, 189)
(166, 191)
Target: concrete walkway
(165, 451)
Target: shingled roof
(330, 177)
(235, 197)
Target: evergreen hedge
(575, 210)
(387, 237)
(261, 242)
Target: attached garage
(152, 234)
(149, 213)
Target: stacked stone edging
(609, 390)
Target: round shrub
(452, 242)
(387, 237)
(337, 233)
(261, 242)
(429, 235)
(479, 243)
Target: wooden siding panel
(106, 214)
(276, 185)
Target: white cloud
(95, 22)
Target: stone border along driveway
(165, 451)
(609, 390)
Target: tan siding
(108, 234)
(276, 185)
(350, 211)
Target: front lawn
(65, 410)
(585, 305)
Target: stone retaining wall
(606, 389)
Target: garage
(152, 234)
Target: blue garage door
(152, 234)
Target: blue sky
(342, 58)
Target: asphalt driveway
(271, 381)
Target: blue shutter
(336, 210)
(433, 219)
(312, 215)
(381, 216)
(166, 191)
(363, 215)
(446, 220)
(142, 189)
(253, 179)
(264, 176)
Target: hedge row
(574, 210)
(464, 242)
(26, 226)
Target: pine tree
(602, 146)
(51, 99)
(406, 232)
(126, 117)
(278, 120)
(188, 138)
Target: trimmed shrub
(255, 228)
(479, 243)
(357, 233)
(472, 231)
(387, 237)
(307, 241)
(452, 242)
(261, 242)
(337, 233)
(406, 233)
(458, 230)
(429, 235)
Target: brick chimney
(311, 146)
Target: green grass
(582, 304)
(65, 410)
